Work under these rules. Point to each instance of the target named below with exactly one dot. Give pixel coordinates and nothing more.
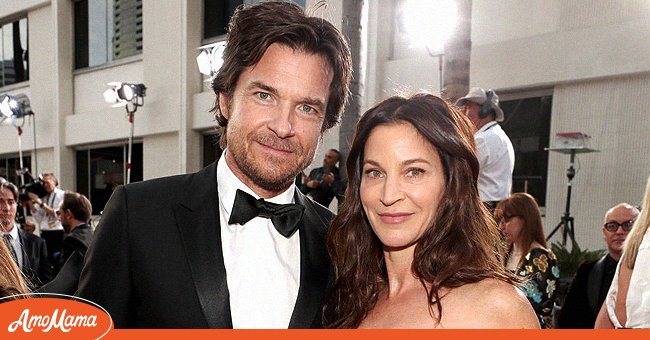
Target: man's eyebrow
(261, 86)
(317, 102)
(313, 102)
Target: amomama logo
(52, 318)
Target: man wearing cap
(493, 147)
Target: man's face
(49, 183)
(8, 206)
(331, 158)
(615, 239)
(62, 215)
(275, 118)
(471, 110)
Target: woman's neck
(399, 270)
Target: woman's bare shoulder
(495, 304)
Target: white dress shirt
(262, 266)
(45, 221)
(497, 161)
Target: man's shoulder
(324, 214)
(174, 184)
(31, 238)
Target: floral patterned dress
(541, 271)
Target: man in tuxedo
(74, 214)
(591, 283)
(28, 250)
(235, 245)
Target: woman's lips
(394, 218)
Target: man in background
(591, 283)
(324, 183)
(28, 251)
(44, 213)
(494, 150)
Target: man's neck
(616, 255)
(75, 224)
(7, 228)
(484, 122)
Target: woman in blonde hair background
(11, 279)
(628, 302)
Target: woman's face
(511, 226)
(402, 182)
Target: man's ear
(223, 106)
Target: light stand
(567, 221)
(15, 108)
(131, 96)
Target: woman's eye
(415, 172)
(372, 173)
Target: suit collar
(314, 266)
(197, 218)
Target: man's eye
(263, 95)
(307, 109)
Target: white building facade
(568, 66)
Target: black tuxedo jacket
(78, 240)
(584, 299)
(36, 266)
(156, 259)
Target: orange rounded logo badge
(53, 318)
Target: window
(101, 170)
(13, 51)
(528, 124)
(217, 13)
(106, 30)
(9, 167)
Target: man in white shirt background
(493, 147)
(44, 213)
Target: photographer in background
(324, 183)
(44, 213)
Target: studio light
(429, 24)
(210, 59)
(15, 108)
(122, 94)
(130, 96)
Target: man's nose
(281, 123)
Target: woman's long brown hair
(463, 244)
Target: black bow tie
(285, 217)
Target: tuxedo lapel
(26, 251)
(594, 284)
(197, 218)
(314, 266)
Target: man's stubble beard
(267, 173)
